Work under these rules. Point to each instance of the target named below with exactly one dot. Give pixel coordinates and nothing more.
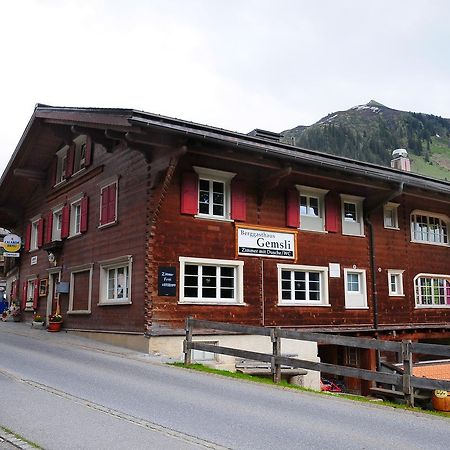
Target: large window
(302, 285)
(213, 193)
(80, 289)
(312, 211)
(431, 229)
(355, 289)
(352, 215)
(211, 281)
(115, 285)
(432, 291)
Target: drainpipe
(373, 269)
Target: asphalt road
(65, 392)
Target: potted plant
(54, 322)
(16, 314)
(38, 321)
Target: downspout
(373, 269)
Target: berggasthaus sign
(266, 242)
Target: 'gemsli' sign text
(266, 242)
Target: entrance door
(52, 296)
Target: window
(79, 162)
(34, 234)
(115, 285)
(352, 215)
(57, 224)
(395, 282)
(355, 289)
(302, 285)
(108, 202)
(75, 216)
(312, 214)
(80, 290)
(431, 229)
(211, 281)
(214, 193)
(390, 212)
(30, 294)
(432, 291)
(61, 164)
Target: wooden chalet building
(134, 221)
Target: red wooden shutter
(28, 237)
(36, 293)
(238, 201)
(189, 193)
(65, 226)
(24, 295)
(70, 159)
(40, 232)
(48, 228)
(112, 203)
(88, 154)
(53, 170)
(84, 214)
(292, 209)
(332, 212)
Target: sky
(234, 64)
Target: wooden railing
(405, 382)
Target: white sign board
(11, 255)
(335, 270)
(266, 243)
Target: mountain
(372, 131)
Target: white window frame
(390, 210)
(429, 215)
(61, 165)
(238, 282)
(219, 176)
(351, 227)
(78, 162)
(324, 298)
(103, 185)
(356, 300)
(75, 220)
(34, 233)
(398, 274)
(308, 222)
(30, 290)
(74, 270)
(105, 266)
(56, 232)
(418, 295)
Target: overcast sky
(236, 64)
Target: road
(66, 392)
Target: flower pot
(54, 326)
(441, 400)
(39, 325)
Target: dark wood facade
(148, 156)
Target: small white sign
(11, 255)
(335, 270)
(33, 260)
(266, 243)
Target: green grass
(285, 384)
(7, 430)
(419, 165)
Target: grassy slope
(439, 165)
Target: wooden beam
(145, 139)
(30, 174)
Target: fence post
(408, 390)
(276, 351)
(188, 341)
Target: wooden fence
(405, 382)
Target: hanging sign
(11, 245)
(266, 242)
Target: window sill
(354, 235)
(304, 304)
(193, 302)
(214, 218)
(60, 183)
(107, 225)
(73, 236)
(356, 307)
(313, 231)
(79, 313)
(392, 228)
(437, 244)
(396, 295)
(432, 307)
(113, 303)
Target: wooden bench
(264, 369)
(391, 393)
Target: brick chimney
(400, 160)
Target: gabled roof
(40, 141)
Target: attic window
(61, 165)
